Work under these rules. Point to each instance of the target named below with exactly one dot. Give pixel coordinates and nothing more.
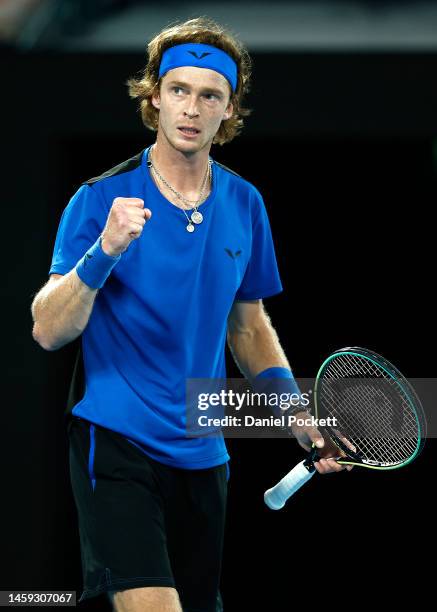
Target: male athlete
(158, 262)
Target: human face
(192, 97)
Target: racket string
(356, 439)
(377, 417)
(377, 427)
(371, 400)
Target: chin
(188, 146)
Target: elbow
(239, 339)
(238, 333)
(42, 339)
(231, 337)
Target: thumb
(316, 437)
(147, 213)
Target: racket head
(380, 420)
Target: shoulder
(120, 170)
(244, 193)
(244, 186)
(226, 169)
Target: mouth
(189, 131)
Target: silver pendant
(190, 227)
(197, 217)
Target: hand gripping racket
(379, 420)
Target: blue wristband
(276, 372)
(277, 380)
(95, 266)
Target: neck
(183, 170)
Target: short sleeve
(261, 278)
(81, 224)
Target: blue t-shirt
(161, 316)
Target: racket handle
(276, 497)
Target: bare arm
(252, 340)
(255, 346)
(61, 310)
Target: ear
(228, 112)
(156, 100)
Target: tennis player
(157, 263)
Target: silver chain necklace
(195, 217)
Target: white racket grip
(276, 497)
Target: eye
(176, 87)
(213, 95)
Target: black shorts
(143, 523)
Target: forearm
(257, 348)
(258, 351)
(61, 311)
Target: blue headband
(201, 56)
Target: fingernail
(320, 444)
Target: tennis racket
(379, 420)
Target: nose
(192, 111)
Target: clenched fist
(125, 223)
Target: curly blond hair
(200, 30)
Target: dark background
(342, 147)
